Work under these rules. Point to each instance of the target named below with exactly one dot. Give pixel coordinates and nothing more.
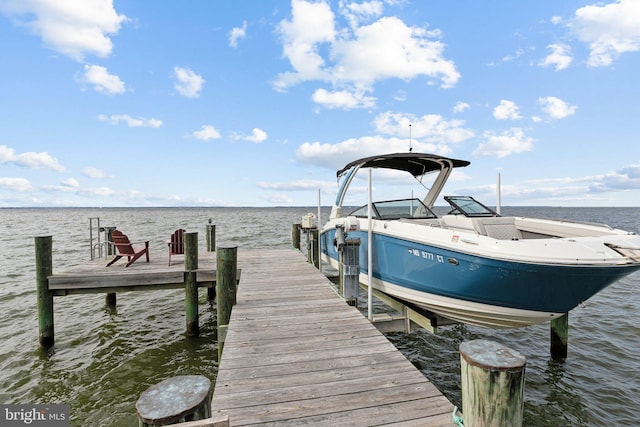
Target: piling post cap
(173, 398)
(488, 354)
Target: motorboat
(471, 264)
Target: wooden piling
(295, 236)
(312, 247)
(559, 337)
(110, 299)
(191, 285)
(226, 277)
(211, 237)
(211, 247)
(44, 269)
(492, 384)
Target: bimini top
(417, 164)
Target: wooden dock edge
(220, 420)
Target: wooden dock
(95, 277)
(297, 354)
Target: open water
(103, 359)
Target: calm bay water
(105, 358)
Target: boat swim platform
(296, 353)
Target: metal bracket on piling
(350, 266)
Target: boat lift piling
(559, 337)
(349, 272)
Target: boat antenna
(410, 147)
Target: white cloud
(72, 186)
(71, 183)
(460, 107)
(356, 13)
(505, 143)
(73, 28)
(432, 128)
(335, 156)
(189, 84)
(389, 48)
(15, 184)
(556, 108)
(237, 33)
(312, 24)
(609, 30)
(627, 178)
(257, 136)
(115, 119)
(92, 172)
(560, 57)
(343, 99)
(102, 81)
(508, 58)
(507, 110)
(354, 59)
(206, 133)
(31, 160)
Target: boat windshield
(396, 209)
(468, 206)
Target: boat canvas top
(417, 164)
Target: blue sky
(258, 103)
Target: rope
(456, 419)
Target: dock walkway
(296, 353)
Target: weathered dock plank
(297, 354)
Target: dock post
(44, 269)
(211, 247)
(110, 299)
(295, 236)
(559, 337)
(492, 384)
(312, 248)
(191, 286)
(350, 271)
(226, 278)
(211, 237)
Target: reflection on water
(104, 357)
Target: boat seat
(501, 228)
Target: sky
(259, 103)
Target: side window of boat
(363, 212)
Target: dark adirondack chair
(125, 248)
(176, 243)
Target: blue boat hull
(458, 276)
